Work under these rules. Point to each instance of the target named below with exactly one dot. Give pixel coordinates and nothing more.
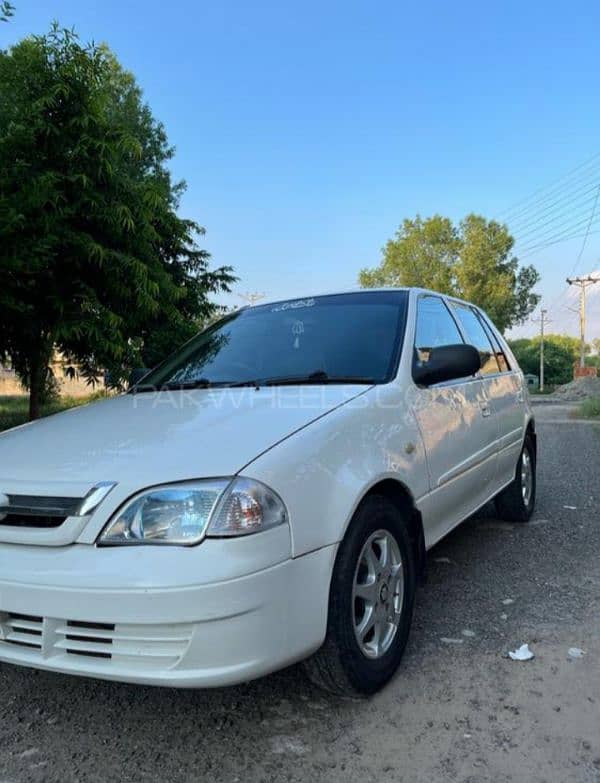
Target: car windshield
(342, 338)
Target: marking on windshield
(293, 305)
(297, 330)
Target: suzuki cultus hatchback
(266, 495)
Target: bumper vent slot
(24, 630)
(84, 640)
(115, 645)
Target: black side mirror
(447, 363)
(136, 375)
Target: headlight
(186, 513)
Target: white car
(266, 495)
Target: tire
(517, 501)
(344, 665)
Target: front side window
(477, 336)
(435, 327)
(341, 338)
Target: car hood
(152, 438)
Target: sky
(307, 131)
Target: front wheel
(370, 604)
(516, 502)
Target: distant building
(533, 381)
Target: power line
(563, 238)
(573, 231)
(587, 233)
(550, 187)
(555, 197)
(565, 226)
(556, 206)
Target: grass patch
(590, 408)
(15, 410)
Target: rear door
(508, 397)
(458, 428)
(502, 386)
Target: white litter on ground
(571, 508)
(575, 652)
(468, 633)
(508, 601)
(450, 640)
(522, 654)
(282, 744)
(504, 616)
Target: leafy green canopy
(6, 10)
(472, 260)
(94, 258)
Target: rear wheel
(370, 604)
(517, 501)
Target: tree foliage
(7, 10)
(560, 354)
(94, 258)
(472, 260)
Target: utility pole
(584, 283)
(543, 320)
(252, 297)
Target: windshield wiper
(198, 383)
(317, 378)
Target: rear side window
(500, 355)
(435, 326)
(477, 336)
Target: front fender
(323, 471)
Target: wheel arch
(399, 494)
(531, 433)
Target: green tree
(94, 258)
(472, 260)
(6, 11)
(560, 354)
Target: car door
(507, 395)
(503, 388)
(458, 429)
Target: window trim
(496, 338)
(446, 302)
(467, 306)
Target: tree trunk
(39, 360)
(36, 385)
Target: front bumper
(161, 629)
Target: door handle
(485, 408)
(520, 396)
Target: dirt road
(458, 710)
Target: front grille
(37, 511)
(118, 644)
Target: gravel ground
(458, 709)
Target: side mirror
(447, 363)
(136, 375)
